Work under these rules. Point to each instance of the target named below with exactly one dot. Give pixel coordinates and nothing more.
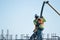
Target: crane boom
(42, 9)
(47, 2)
(52, 7)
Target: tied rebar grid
(25, 37)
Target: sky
(17, 16)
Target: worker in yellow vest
(38, 22)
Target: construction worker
(35, 30)
(40, 24)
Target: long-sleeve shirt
(42, 20)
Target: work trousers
(39, 34)
(33, 36)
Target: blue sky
(18, 16)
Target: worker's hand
(40, 20)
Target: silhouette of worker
(38, 22)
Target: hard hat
(36, 16)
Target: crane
(47, 2)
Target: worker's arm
(44, 20)
(35, 23)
